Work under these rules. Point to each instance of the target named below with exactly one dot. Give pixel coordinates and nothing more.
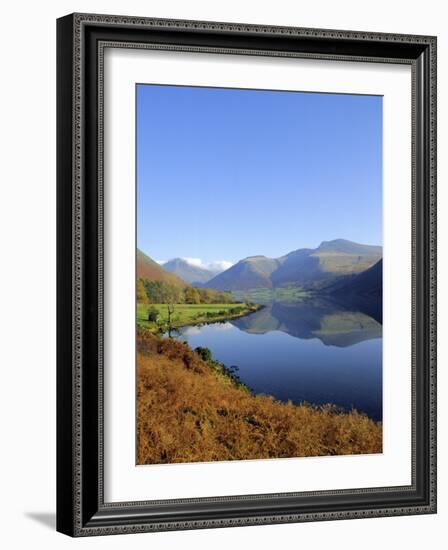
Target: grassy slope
(188, 411)
(345, 264)
(191, 314)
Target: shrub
(204, 353)
(153, 314)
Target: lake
(314, 350)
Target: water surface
(312, 351)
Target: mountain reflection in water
(332, 323)
(317, 351)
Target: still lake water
(310, 351)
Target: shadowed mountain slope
(363, 291)
(367, 283)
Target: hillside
(252, 272)
(349, 247)
(330, 259)
(369, 283)
(297, 267)
(307, 268)
(343, 257)
(190, 410)
(149, 269)
(187, 272)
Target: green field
(267, 295)
(190, 314)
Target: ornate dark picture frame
(81, 509)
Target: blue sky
(223, 174)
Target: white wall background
(27, 289)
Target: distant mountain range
(306, 267)
(338, 267)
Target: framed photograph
(246, 274)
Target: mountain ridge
(306, 267)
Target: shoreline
(220, 319)
(204, 320)
(189, 409)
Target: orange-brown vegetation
(190, 410)
(147, 268)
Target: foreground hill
(147, 268)
(190, 273)
(190, 410)
(306, 267)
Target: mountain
(306, 267)
(349, 247)
(187, 272)
(313, 268)
(252, 272)
(147, 268)
(369, 283)
(363, 291)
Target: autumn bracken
(193, 410)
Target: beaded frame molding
(81, 40)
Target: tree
(160, 292)
(206, 295)
(192, 295)
(142, 297)
(153, 314)
(223, 297)
(170, 311)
